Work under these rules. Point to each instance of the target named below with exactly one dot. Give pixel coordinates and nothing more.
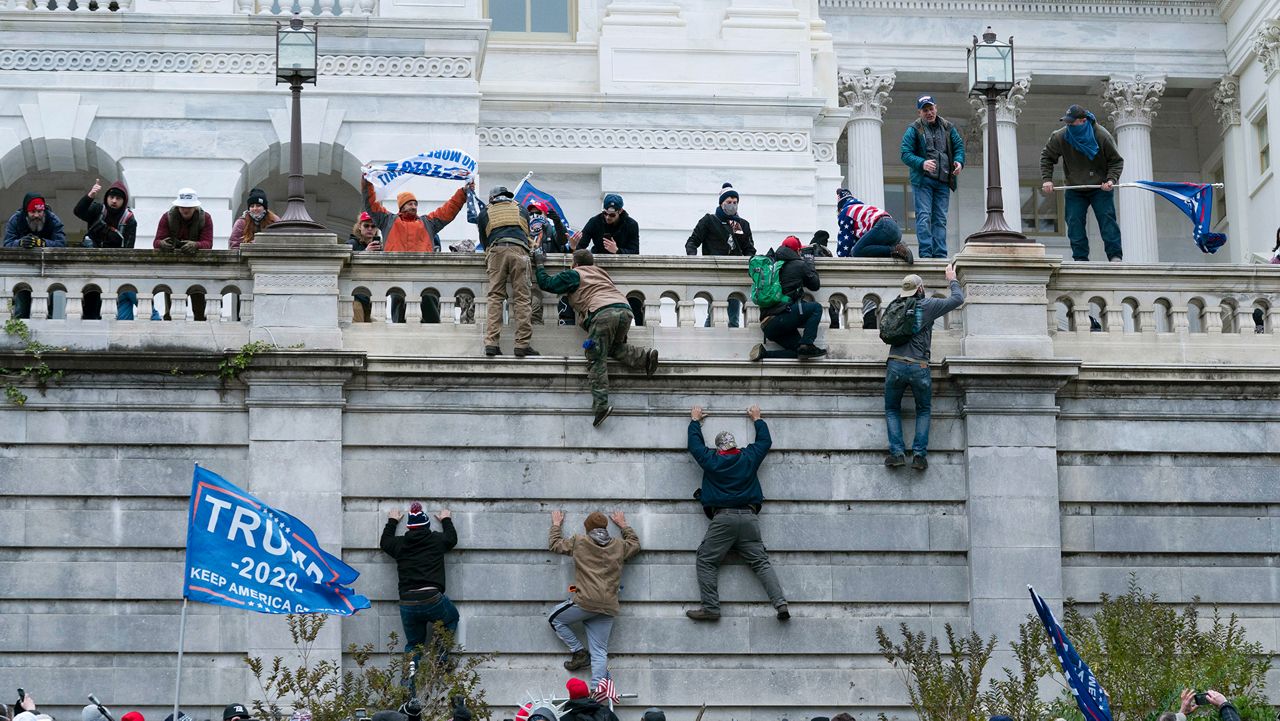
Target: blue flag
(526, 193)
(1196, 201)
(245, 554)
(1090, 696)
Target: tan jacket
(597, 570)
(595, 290)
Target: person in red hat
(581, 707)
(781, 322)
(364, 236)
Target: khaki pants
(509, 264)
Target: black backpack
(901, 320)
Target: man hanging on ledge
(419, 556)
(603, 311)
(731, 498)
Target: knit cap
(727, 191)
(792, 242)
(595, 520)
(417, 517)
(259, 196)
(577, 688)
(404, 197)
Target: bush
(333, 694)
(940, 689)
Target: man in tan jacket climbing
(597, 571)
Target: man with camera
(1192, 699)
(934, 151)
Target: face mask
(258, 215)
(730, 207)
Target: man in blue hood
(1089, 157)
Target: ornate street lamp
(990, 74)
(296, 63)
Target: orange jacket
(415, 236)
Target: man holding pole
(1092, 166)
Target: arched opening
(1261, 316)
(464, 310)
(702, 310)
(1097, 315)
(62, 181)
(669, 315)
(1132, 322)
(332, 189)
(1063, 317)
(870, 310)
(836, 306)
(1164, 315)
(1195, 315)
(1227, 313)
(361, 305)
(231, 303)
(395, 305)
(91, 302)
(636, 299)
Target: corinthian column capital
(1132, 101)
(1266, 45)
(1226, 101)
(866, 93)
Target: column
(866, 94)
(1008, 108)
(1226, 107)
(1264, 204)
(827, 173)
(1132, 104)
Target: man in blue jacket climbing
(731, 498)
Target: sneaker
(601, 414)
(702, 614)
(783, 613)
(579, 660)
(525, 352)
(919, 462)
(1116, 259)
(651, 362)
(902, 252)
(757, 352)
(811, 351)
(492, 350)
(895, 461)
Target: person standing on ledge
(504, 232)
(934, 151)
(723, 232)
(1089, 157)
(731, 498)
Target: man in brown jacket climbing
(597, 571)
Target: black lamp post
(296, 63)
(990, 74)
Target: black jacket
(586, 709)
(625, 232)
(419, 553)
(797, 275)
(713, 236)
(108, 228)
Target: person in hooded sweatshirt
(597, 571)
(256, 218)
(781, 322)
(731, 498)
(581, 706)
(111, 225)
(34, 225)
(419, 556)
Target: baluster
(1213, 319)
(412, 309)
(1146, 319)
(39, 304)
(146, 303)
(448, 302)
(75, 308)
(684, 314)
(1081, 316)
(367, 7)
(177, 306)
(1244, 319)
(1181, 325)
(246, 308)
(378, 308)
(653, 311)
(347, 8)
(1115, 318)
(346, 309)
(213, 308)
(6, 304)
(750, 315)
(247, 7)
(719, 311)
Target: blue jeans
(879, 240)
(735, 308)
(1103, 203)
(784, 329)
(898, 376)
(419, 622)
(932, 200)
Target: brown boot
(579, 660)
(902, 252)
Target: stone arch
(332, 183)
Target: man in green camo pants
(603, 311)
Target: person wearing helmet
(504, 232)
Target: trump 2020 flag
(1090, 696)
(446, 163)
(1196, 201)
(525, 193)
(246, 554)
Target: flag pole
(1119, 185)
(182, 637)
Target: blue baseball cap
(924, 100)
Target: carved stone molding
(295, 282)
(643, 139)
(1132, 102)
(1032, 292)
(866, 94)
(1226, 101)
(1008, 105)
(1266, 45)
(824, 152)
(990, 8)
(128, 61)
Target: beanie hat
(595, 520)
(404, 197)
(499, 191)
(235, 709)
(791, 242)
(820, 238)
(653, 713)
(36, 203)
(727, 191)
(725, 441)
(91, 713)
(577, 688)
(843, 194)
(259, 196)
(132, 716)
(417, 518)
(612, 201)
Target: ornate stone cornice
(1132, 102)
(867, 95)
(990, 8)
(1226, 101)
(644, 139)
(128, 61)
(1008, 105)
(1266, 45)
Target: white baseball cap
(187, 198)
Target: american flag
(606, 693)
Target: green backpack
(902, 319)
(766, 283)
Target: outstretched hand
(619, 519)
(443, 514)
(754, 412)
(1188, 697)
(97, 185)
(697, 413)
(395, 514)
(557, 518)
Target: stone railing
(101, 6)
(1102, 313)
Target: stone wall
(1065, 459)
